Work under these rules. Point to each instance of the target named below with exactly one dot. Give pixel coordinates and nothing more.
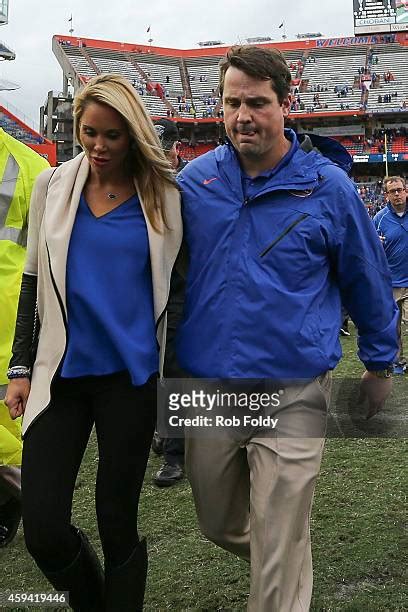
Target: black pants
(173, 451)
(124, 418)
(173, 448)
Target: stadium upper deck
(181, 82)
(354, 81)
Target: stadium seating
(185, 85)
(81, 66)
(188, 152)
(352, 144)
(399, 144)
(333, 68)
(393, 58)
(195, 79)
(17, 130)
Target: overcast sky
(174, 23)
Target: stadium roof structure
(6, 53)
(401, 38)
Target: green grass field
(359, 532)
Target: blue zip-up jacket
(395, 232)
(267, 275)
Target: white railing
(20, 115)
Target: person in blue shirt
(277, 239)
(104, 232)
(391, 224)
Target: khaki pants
(401, 297)
(253, 497)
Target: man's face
(397, 195)
(172, 155)
(254, 118)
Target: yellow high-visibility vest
(19, 167)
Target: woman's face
(105, 138)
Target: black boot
(125, 584)
(10, 515)
(10, 502)
(83, 578)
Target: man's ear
(286, 105)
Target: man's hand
(375, 390)
(17, 394)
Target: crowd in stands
(168, 84)
(386, 98)
(295, 66)
(388, 77)
(184, 105)
(298, 104)
(375, 143)
(343, 90)
(210, 111)
(372, 196)
(319, 88)
(378, 137)
(210, 103)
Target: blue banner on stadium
(356, 40)
(371, 158)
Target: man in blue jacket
(277, 239)
(391, 224)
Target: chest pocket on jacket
(284, 233)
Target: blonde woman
(105, 229)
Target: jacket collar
(297, 171)
(64, 191)
(392, 211)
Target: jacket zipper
(64, 318)
(34, 339)
(283, 234)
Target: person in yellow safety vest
(19, 167)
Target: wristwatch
(387, 373)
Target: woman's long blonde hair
(148, 163)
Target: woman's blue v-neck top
(109, 297)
